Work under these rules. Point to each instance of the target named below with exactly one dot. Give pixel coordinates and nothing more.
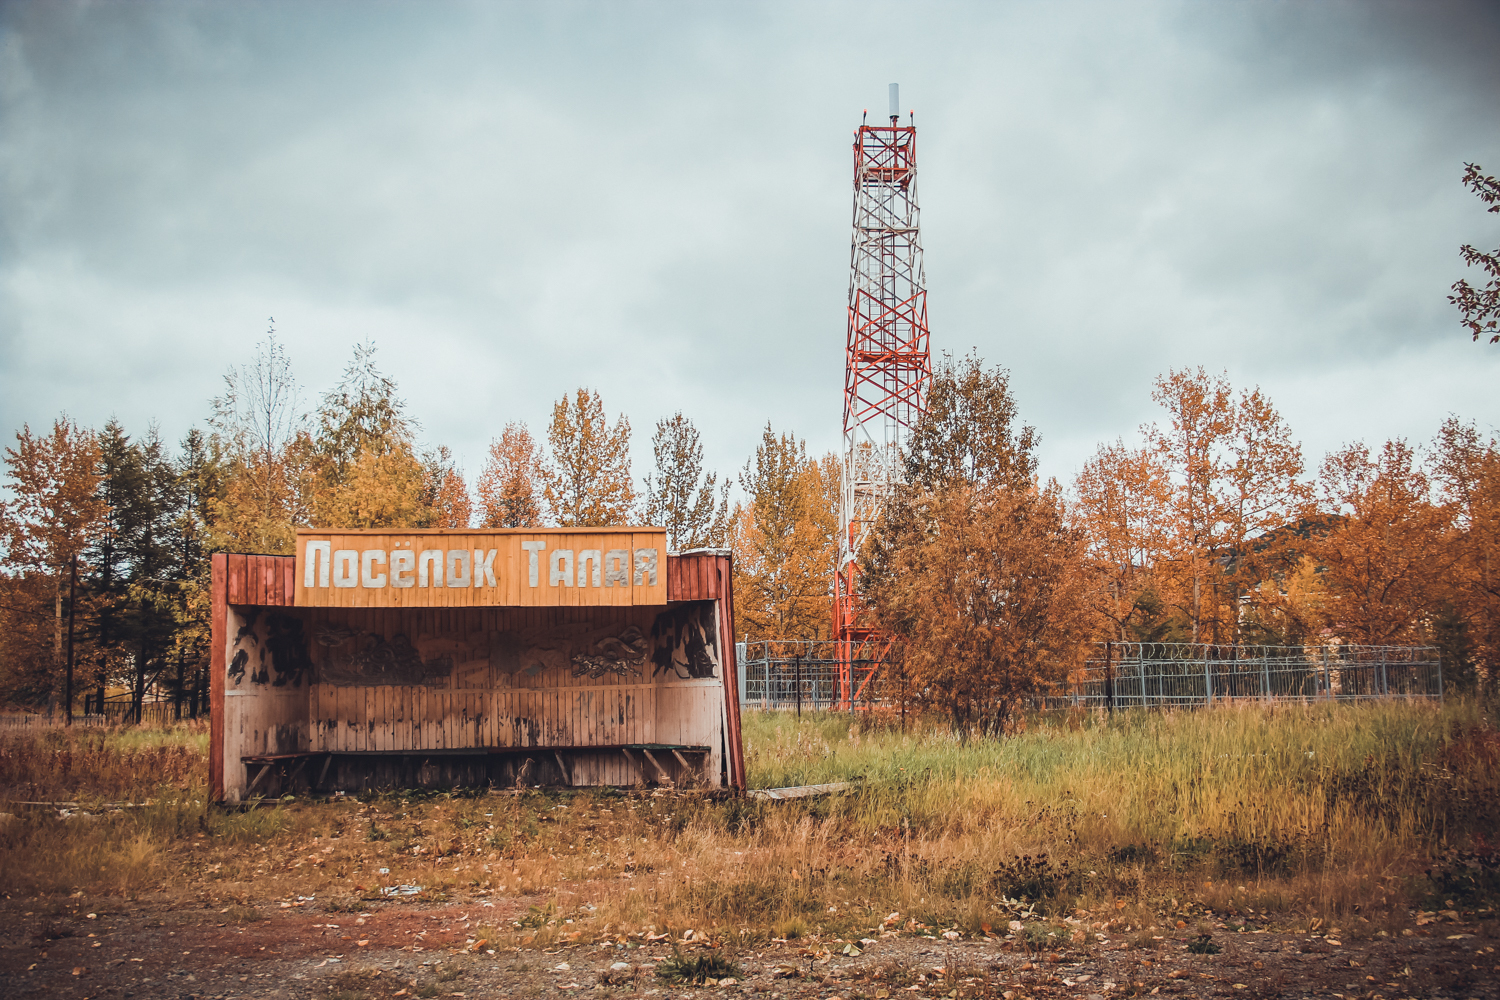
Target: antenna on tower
(895, 102)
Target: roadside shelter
(439, 658)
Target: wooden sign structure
(522, 656)
(529, 568)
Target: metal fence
(791, 674)
(113, 713)
(1164, 674)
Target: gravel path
(109, 948)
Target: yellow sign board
(517, 567)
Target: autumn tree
(586, 479)
(445, 494)
(53, 512)
(151, 556)
(973, 568)
(784, 539)
(509, 485)
(259, 426)
(200, 482)
(1236, 482)
(1480, 307)
(1384, 559)
(366, 470)
(1122, 497)
(1192, 447)
(1465, 467)
(691, 504)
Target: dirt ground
(87, 948)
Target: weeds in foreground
(696, 969)
(1203, 944)
(1241, 816)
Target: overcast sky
(653, 199)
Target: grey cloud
(514, 200)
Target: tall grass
(1320, 783)
(1282, 813)
(122, 762)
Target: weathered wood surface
(509, 677)
(555, 567)
(544, 697)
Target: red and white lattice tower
(887, 369)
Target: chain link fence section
(1168, 674)
(792, 673)
(788, 674)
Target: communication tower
(887, 369)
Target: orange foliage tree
(508, 486)
(783, 538)
(1386, 559)
(1199, 518)
(973, 568)
(586, 480)
(54, 512)
(1121, 508)
(1466, 468)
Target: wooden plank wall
(491, 709)
(708, 575)
(258, 718)
(552, 708)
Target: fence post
(1208, 679)
(799, 685)
(1109, 675)
(1265, 673)
(1440, 677)
(1140, 661)
(739, 659)
(1327, 678)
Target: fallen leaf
(77, 970)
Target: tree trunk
(57, 642)
(99, 691)
(72, 605)
(138, 700)
(177, 692)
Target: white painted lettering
(560, 571)
(586, 558)
(532, 548)
(403, 564)
(367, 575)
(458, 567)
(617, 567)
(345, 568)
(310, 559)
(484, 568)
(645, 567)
(433, 559)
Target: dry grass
(1134, 824)
(123, 763)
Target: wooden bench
(267, 763)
